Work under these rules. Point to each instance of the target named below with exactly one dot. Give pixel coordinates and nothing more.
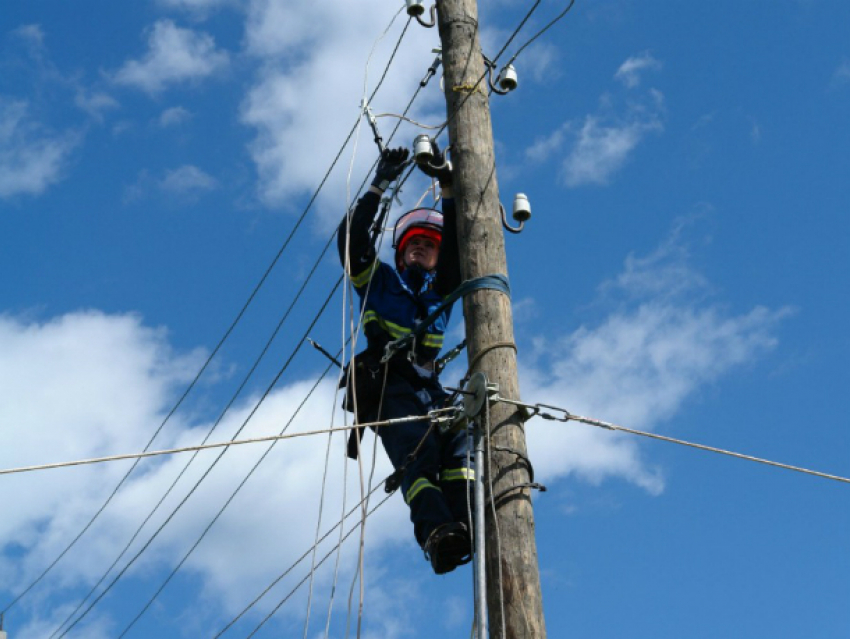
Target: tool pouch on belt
(366, 382)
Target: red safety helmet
(422, 222)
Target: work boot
(448, 546)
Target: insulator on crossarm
(422, 152)
(508, 78)
(522, 208)
(521, 213)
(415, 8)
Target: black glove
(438, 167)
(390, 166)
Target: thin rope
(297, 586)
(294, 565)
(364, 106)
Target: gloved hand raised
(439, 167)
(390, 166)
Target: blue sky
(684, 273)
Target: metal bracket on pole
(479, 391)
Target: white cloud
(544, 147)
(637, 366)
(196, 5)
(602, 149)
(630, 71)
(187, 179)
(842, 74)
(307, 96)
(174, 55)
(600, 144)
(32, 34)
(95, 103)
(174, 116)
(31, 159)
(89, 384)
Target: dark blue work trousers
(437, 481)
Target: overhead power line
(209, 469)
(232, 442)
(221, 342)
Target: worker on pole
(434, 467)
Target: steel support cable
(206, 473)
(221, 416)
(292, 567)
(609, 426)
(536, 410)
(221, 342)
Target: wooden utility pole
(489, 327)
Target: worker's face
(421, 251)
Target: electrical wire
(280, 577)
(297, 586)
(221, 416)
(259, 285)
(227, 503)
(217, 348)
(206, 473)
(346, 291)
(542, 31)
(406, 119)
(374, 92)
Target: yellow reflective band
(434, 341)
(362, 279)
(394, 330)
(418, 486)
(458, 474)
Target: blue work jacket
(393, 303)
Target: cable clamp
(432, 70)
(373, 123)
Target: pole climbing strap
(496, 282)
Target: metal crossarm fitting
(479, 390)
(443, 416)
